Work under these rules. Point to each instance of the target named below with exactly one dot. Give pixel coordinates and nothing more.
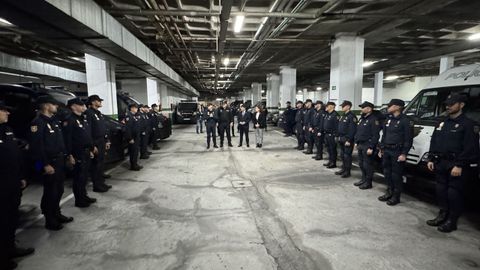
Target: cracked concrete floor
(183, 212)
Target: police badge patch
(33, 129)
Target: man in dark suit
(244, 118)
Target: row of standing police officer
(454, 148)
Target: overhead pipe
(224, 17)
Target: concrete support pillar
(247, 95)
(101, 81)
(346, 70)
(153, 96)
(446, 62)
(378, 89)
(256, 93)
(273, 92)
(164, 99)
(288, 85)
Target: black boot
(340, 172)
(20, 252)
(366, 185)
(439, 220)
(394, 200)
(387, 196)
(90, 200)
(448, 226)
(332, 166)
(359, 183)
(308, 152)
(82, 204)
(327, 164)
(52, 224)
(346, 174)
(64, 219)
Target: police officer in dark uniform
(96, 121)
(225, 122)
(155, 123)
(317, 124)
(308, 126)
(366, 140)
(211, 121)
(79, 146)
(48, 153)
(13, 181)
(396, 141)
(330, 127)
(347, 127)
(289, 119)
(145, 126)
(454, 150)
(299, 126)
(132, 135)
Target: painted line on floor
(40, 216)
(354, 164)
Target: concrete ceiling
(195, 36)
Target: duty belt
(393, 146)
(445, 156)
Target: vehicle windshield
(62, 97)
(428, 104)
(187, 106)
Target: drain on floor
(241, 183)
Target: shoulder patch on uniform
(377, 123)
(65, 123)
(33, 129)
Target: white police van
(427, 107)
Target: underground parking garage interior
(239, 134)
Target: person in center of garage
(288, 119)
(330, 128)
(259, 121)
(199, 119)
(454, 152)
(366, 140)
(234, 113)
(145, 129)
(225, 122)
(12, 183)
(155, 122)
(79, 145)
(318, 118)
(98, 126)
(308, 127)
(211, 121)
(132, 135)
(396, 141)
(48, 151)
(244, 118)
(347, 127)
(299, 126)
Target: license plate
(186, 118)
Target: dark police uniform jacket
(132, 123)
(224, 116)
(368, 129)
(144, 123)
(456, 140)
(347, 127)
(317, 122)
(397, 134)
(299, 116)
(308, 118)
(330, 123)
(46, 141)
(98, 126)
(11, 163)
(77, 135)
(210, 118)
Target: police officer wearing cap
(79, 146)
(155, 125)
(144, 131)
(396, 141)
(454, 150)
(308, 114)
(13, 181)
(347, 127)
(366, 139)
(99, 133)
(49, 154)
(330, 126)
(289, 119)
(318, 118)
(299, 131)
(225, 122)
(132, 135)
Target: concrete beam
(32, 67)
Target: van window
(472, 109)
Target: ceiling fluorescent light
(368, 63)
(391, 78)
(474, 36)
(226, 61)
(238, 23)
(319, 88)
(3, 21)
